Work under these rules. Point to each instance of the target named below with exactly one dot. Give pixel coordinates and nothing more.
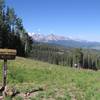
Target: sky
(75, 18)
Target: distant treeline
(73, 57)
(12, 32)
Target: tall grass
(59, 83)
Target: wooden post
(6, 54)
(4, 73)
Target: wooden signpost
(6, 54)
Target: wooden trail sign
(6, 54)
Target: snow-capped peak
(52, 37)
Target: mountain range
(65, 41)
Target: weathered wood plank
(9, 54)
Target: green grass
(58, 82)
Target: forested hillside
(73, 57)
(12, 32)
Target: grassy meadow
(58, 82)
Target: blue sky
(75, 18)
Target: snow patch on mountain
(53, 37)
(50, 37)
